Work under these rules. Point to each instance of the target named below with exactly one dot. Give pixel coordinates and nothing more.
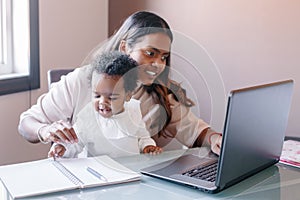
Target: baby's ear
(128, 95)
(122, 46)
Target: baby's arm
(145, 142)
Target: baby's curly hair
(117, 64)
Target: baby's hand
(56, 150)
(152, 150)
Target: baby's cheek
(96, 105)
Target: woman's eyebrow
(159, 50)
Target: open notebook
(47, 176)
(290, 154)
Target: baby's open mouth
(105, 110)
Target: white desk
(276, 182)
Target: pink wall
(243, 42)
(249, 42)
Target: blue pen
(97, 174)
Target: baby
(112, 123)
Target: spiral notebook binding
(67, 173)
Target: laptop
(253, 135)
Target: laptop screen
(254, 130)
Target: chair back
(53, 75)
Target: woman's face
(109, 94)
(151, 52)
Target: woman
(147, 38)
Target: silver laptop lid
(254, 130)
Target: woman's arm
(188, 129)
(62, 101)
(209, 138)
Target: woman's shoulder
(82, 72)
(73, 89)
(78, 78)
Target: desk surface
(276, 182)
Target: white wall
(69, 29)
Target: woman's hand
(58, 132)
(152, 150)
(215, 141)
(57, 150)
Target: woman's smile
(151, 73)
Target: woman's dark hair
(132, 30)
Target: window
(19, 46)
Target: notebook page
(104, 165)
(33, 178)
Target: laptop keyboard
(207, 173)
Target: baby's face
(109, 94)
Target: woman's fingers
(69, 131)
(62, 132)
(216, 141)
